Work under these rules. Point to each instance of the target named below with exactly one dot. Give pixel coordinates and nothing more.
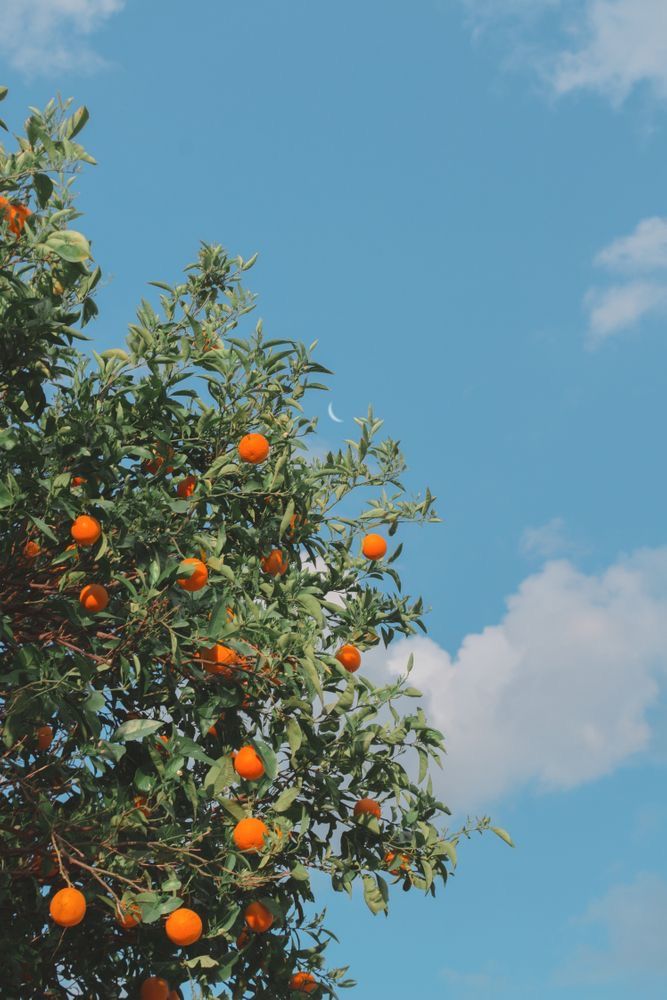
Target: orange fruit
(128, 916)
(367, 807)
(68, 907)
(275, 563)
(249, 834)
(199, 576)
(155, 464)
(350, 657)
(186, 487)
(78, 480)
(154, 988)
(373, 546)
(174, 995)
(258, 917)
(220, 660)
(248, 764)
(31, 550)
(86, 530)
(15, 215)
(390, 857)
(44, 737)
(140, 804)
(93, 598)
(243, 939)
(253, 448)
(303, 982)
(183, 926)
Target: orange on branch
(186, 487)
(140, 804)
(390, 858)
(15, 215)
(68, 907)
(93, 598)
(86, 530)
(248, 764)
(350, 657)
(367, 807)
(253, 448)
(373, 546)
(258, 917)
(44, 737)
(128, 916)
(154, 988)
(221, 660)
(303, 982)
(275, 564)
(199, 577)
(78, 480)
(249, 834)
(183, 926)
(31, 549)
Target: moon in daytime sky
(333, 415)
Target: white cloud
(51, 36)
(632, 920)
(642, 258)
(547, 540)
(556, 694)
(607, 46)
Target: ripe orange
(249, 834)
(220, 660)
(128, 916)
(86, 530)
(68, 907)
(93, 598)
(199, 576)
(248, 764)
(303, 982)
(140, 804)
(373, 546)
(367, 807)
(350, 657)
(31, 549)
(186, 487)
(258, 917)
(390, 858)
(78, 480)
(15, 215)
(275, 563)
(154, 988)
(253, 448)
(183, 926)
(154, 465)
(44, 737)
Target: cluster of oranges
(15, 215)
(184, 926)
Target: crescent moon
(333, 415)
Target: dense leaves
(136, 798)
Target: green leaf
(202, 962)
(136, 729)
(450, 850)
(300, 873)
(286, 518)
(503, 834)
(219, 776)
(43, 527)
(285, 799)
(311, 604)
(43, 187)
(69, 245)
(294, 734)
(373, 896)
(3, 92)
(78, 121)
(6, 498)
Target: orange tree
(187, 594)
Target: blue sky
(464, 201)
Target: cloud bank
(557, 693)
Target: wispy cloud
(640, 259)
(40, 37)
(631, 918)
(546, 540)
(607, 46)
(555, 695)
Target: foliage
(136, 798)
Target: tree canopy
(188, 590)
